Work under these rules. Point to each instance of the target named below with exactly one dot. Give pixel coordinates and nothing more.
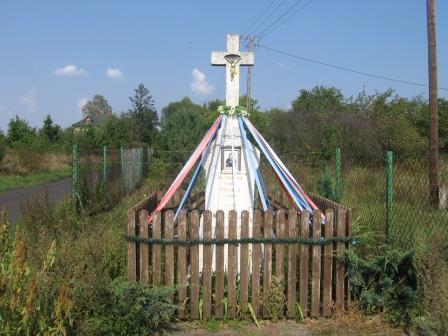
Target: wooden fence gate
(294, 266)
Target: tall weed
(433, 277)
(32, 301)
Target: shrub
(130, 308)
(90, 254)
(386, 283)
(95, 197)
(277, 301)
(325, 185)
(20, 133)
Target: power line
(286, 20)
(286, 12)
(345, 68)
(267, 18)
(259, 16)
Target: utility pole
(433, 116)
(250, 47)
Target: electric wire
(292, 14)
(367, 74)
(267, 18)
(259, 17)
(285, 13)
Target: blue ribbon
(251, 158)
(290, 188)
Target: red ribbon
(186, 169)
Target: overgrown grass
(8, 182)
(416, 227)
(89, 261)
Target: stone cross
(229, 183)
(232, 59)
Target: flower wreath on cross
(238, 111)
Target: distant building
(95, 121)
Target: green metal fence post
(122, 170)
(338, 176)
(74, 171)
(389, 193)
(104, 166)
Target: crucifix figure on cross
(232, 59)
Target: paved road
(12, 199)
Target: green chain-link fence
(389, 195)
(101, 177)
(394, 193)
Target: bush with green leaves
(386, 283)
(325, 185)
(130, 308)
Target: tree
(96, 107)
(20, 133)
(2, 146)
(115, 132)
(394, 123)
(49, 131)
(2, 137)
(319, 99)
(143, 115)
(253, 103)
(259, 119)
(443, 123)
(183, 125)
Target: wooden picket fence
(309, 273)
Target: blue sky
(57, 54)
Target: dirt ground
(348, 324)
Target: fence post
(122, 182)
(389, 193)
(104, 166)
(338, 176)
(74, 171)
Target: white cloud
(69, 70)
(114, 73)
(81, 102)
(199, 84)
(29, 100)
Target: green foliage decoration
(237, 111)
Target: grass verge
(8, 182)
